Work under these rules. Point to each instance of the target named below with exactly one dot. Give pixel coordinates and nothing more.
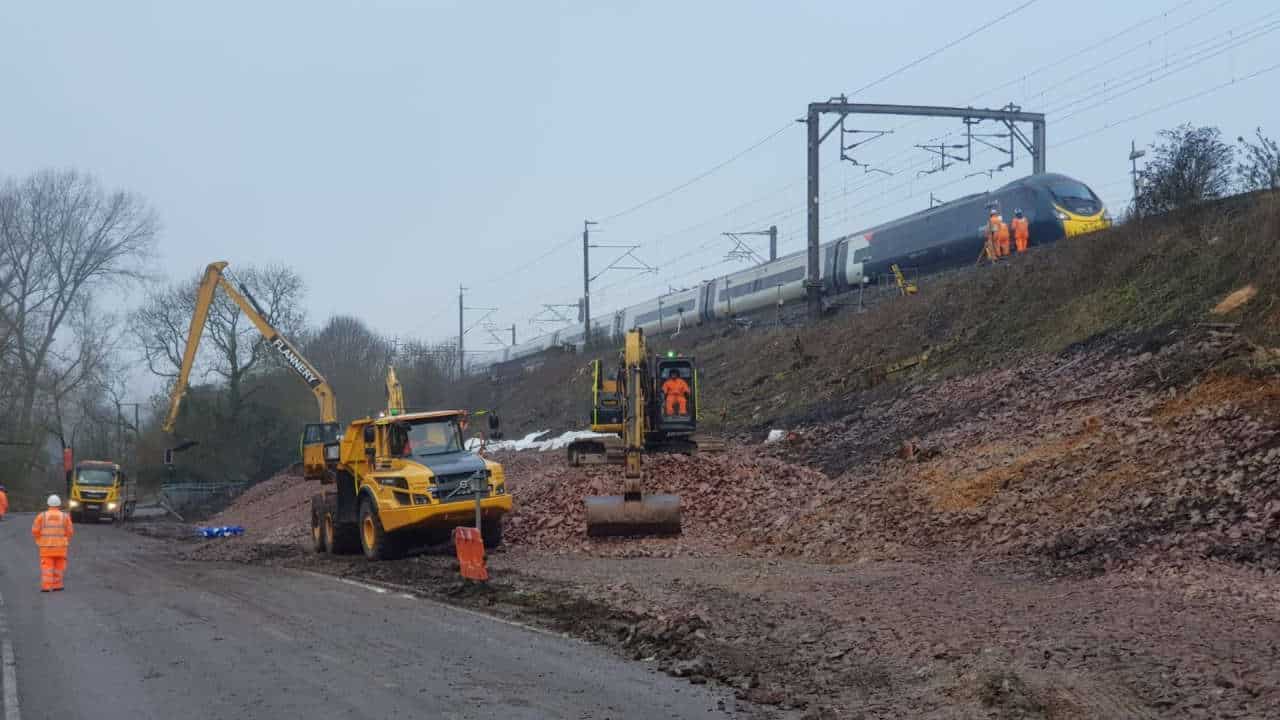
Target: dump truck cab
(100, 488)
(319, 448)
(406, 478)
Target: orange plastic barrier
(470, 547)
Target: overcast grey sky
(390, 150)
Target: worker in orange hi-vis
(52, 531)
(4, 502)
(1021, 231)
(676, 391)
(1002, 237)
(990, 249)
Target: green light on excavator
(671, 353)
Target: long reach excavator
(319, 440)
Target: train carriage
(946, 236)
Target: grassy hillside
(1138, 281)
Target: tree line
(72, 256)
(1190, 165)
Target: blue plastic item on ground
(223, 531)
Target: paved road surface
(138, 635)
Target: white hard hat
(55, 501)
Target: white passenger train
(745, 291)
(945, 236)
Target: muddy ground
(1086, 534)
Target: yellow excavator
(319, 440)
(631, 406)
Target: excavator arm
(316, 436)
(395, 394)
(634, 512)
(635, 407)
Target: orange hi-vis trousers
(52, 569)
(674, 400)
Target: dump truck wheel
(373, 539)
(340, 537)
(319, 542)
(491, 533)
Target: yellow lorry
(399, 479)
(99, 489)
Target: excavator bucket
(622, 516)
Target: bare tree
(62, 238)
(82, 377)
(1260, 169)
(1189, 165)
(231, 347)
(354, 360)
(427, 372)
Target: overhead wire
(1137, 83)
(934, 53)
(1071, 56)
(1172, 103)
(1137, 47)
(704, 174)
(786, 213)
(887, 76)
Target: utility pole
(461, 332)
(1134, 154)
(1009, 116)
(813, 279)
(586, 280)
(773, 243)
(463, 329)
(513, 334)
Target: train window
(862, 254)
(1070, 189)
(1075, 197)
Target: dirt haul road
(138, 634)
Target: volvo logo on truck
(295, 362)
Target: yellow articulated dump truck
(406, 478)
(100, 489)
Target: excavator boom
(316, 435)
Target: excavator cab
(676, 422)
(319, 449)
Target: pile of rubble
(274, 513)
(1094, 457)
(724, 496)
